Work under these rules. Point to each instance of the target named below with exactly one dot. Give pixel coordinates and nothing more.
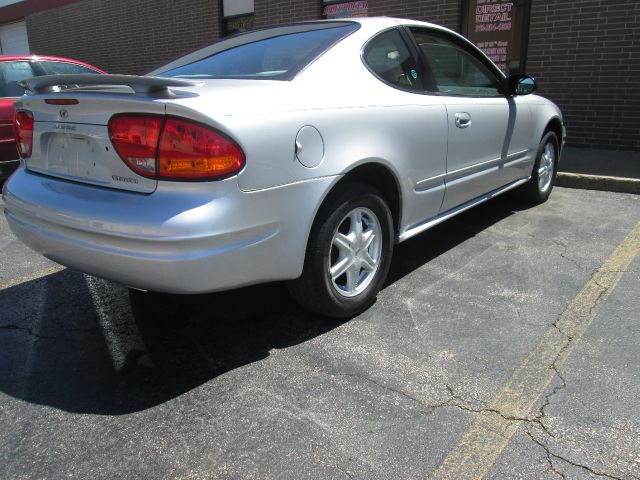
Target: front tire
(543, 176)
(348, 253)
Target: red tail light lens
(190, 151)
(23, 129)
(174, 149)
(135, 138)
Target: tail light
(135, 138)
(171, 148)
(23, 129)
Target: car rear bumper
(183, 238)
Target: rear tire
(543, 176)
(348, 253)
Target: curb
(598, 182)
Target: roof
(7, 58)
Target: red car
(12, 70)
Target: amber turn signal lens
(192, 151)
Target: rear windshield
(274, 54)
(55, 68)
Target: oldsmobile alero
(301, 152)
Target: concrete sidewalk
(591, 169)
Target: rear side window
(277, 58)
(388, 57)
(55, 68)
(10, 74)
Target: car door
(412, 120)
(486, 129)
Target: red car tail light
(135, 138)
(23, 129)
(174, 149)
(190, 151)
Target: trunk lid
(71, 141)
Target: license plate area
(83, 153)
(75, 156)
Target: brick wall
(272, 12)
(124, 36)
(586, 56)
(442, 12)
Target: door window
(455, 70)
(388, 57)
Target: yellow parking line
(12, 282)
(490, 433)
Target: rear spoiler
(45, 83)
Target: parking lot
(504, 345)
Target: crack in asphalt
(456, 401)
(551, 455)
(32, 333)
(54, 311)
(381, 385)
(345, 472)
(564, 254)
(28, 330)
(335, 463)
(552, 467)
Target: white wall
(236, 7)
(14, 39)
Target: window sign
(243, 23)
(238, 16)
(500, 28)
(346, 9)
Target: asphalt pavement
(504, 345)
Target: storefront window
(238, 24)
(500, 28)
(238, 16)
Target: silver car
(300, 153)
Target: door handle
(462, 119)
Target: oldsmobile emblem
(64, 113)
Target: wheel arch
(374, 174)
(555, 126)
(381, 178)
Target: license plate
(73, 156)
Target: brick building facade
(585, 54)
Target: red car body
(12, 70)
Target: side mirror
(520, 84)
